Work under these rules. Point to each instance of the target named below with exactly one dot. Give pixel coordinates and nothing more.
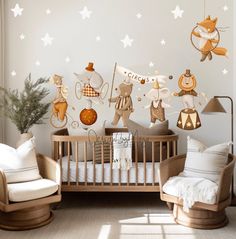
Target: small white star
(17, 10)
(37, 63)
(138, 15)
(22, 36)
(177, 12)
(13, 73)
(47, 40)
(127, 41)
(67, 60)
(225, 8)
(48, 11)
(163, 42)
(151, 64)
(98, 38)
(85, 13)
(225, 72)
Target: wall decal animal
(59, 117)
(157, 96)
(123, 102)
(188, 117)
(208, 39)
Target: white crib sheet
(107, 178)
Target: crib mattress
(107, 176)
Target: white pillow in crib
(94, 130)
(19, 165)
(203, 162)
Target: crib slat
(174, 147)
(85, 163)
(76, 163)
(111, 166)
(161, 151)
(136, 161)
(153, 164)
(102, 151)
(60, 159)
(94, 165)
(68, 163)
(144, 162)
(168, 149)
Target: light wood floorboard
(118, 216)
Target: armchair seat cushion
(191, 190)
(19, 192)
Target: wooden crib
(91, 175)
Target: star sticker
(151, 64)
(127, 41)
(138, 15)
(48, 11)
(85, 13)
(225, 8)
(47, 40)
(67, 60)
(177, 12)
(224, 72)
(17, 10)
(163, 42)
(13, 73)
(22, 36)
(98, 38)
(37, 63)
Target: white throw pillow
(97, 130)
(19, 165)
(203, 162)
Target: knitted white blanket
(191, 190)
(122, 151)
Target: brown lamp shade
(213, 106)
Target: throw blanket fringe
(122, 151)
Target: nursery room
(117, 119)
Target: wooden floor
(118, 216)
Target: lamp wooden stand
(214, 106)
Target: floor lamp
(214, 106)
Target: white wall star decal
(138, 15)
(13, 73)
(98, 38)
(225, 72)
(151, 64)
(177, 12)
(67, 59)
(163, 42)
(225, 8)
(47, 40)
(85, 13)
(127, 41)
(37, 63)
(17, 10)
(22, 36)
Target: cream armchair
(26, 205)
(201, 215)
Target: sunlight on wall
(156, 226)
(104, 232)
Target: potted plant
(25, 108)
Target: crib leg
(170, 205)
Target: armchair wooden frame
(201, 215)
(34, 213)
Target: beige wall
(112, 20)
(1, 61)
